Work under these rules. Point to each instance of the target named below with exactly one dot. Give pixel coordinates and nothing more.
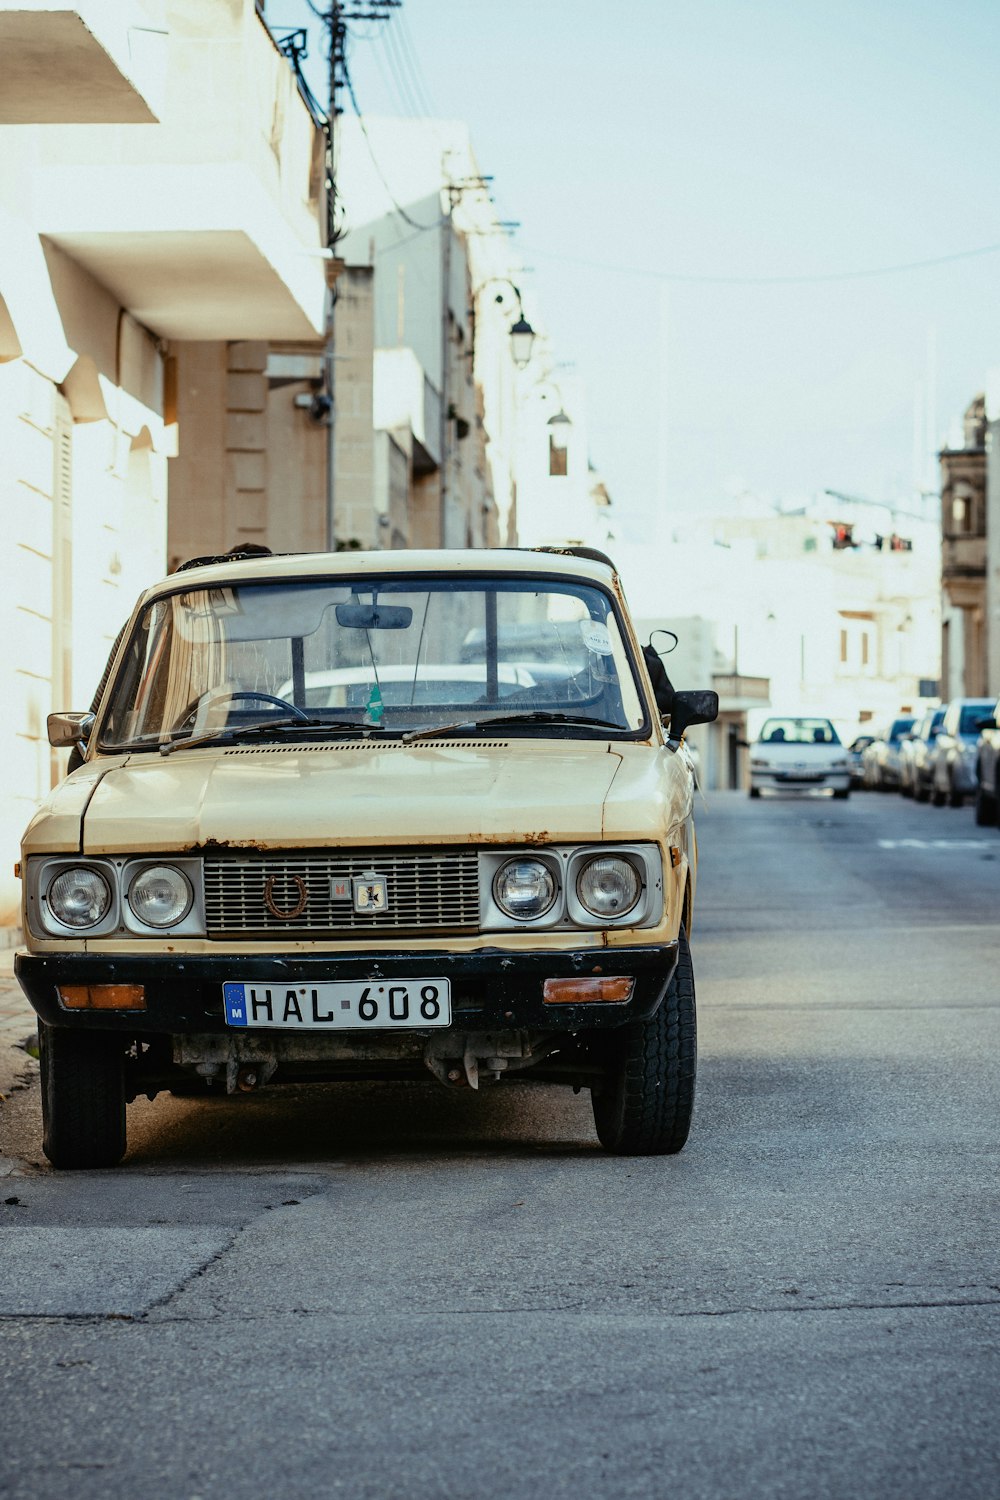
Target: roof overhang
(194, 252)
(55, 70)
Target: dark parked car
(988, 771)
(916, 761)
(854, 750)
(954, 757)
(882, 758)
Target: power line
(400, 210)
(409, 52)
(390, 41)
(683, 278)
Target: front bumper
(806, 781)
(492, 988)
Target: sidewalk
(17, 1021)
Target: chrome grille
(438, 889)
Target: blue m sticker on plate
(234, 998)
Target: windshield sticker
(595, 637)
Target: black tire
(645, 1104)
(986, 808)
(938, 798)
(755, 791)
(841, 793)
(83, 1097)
(921, 793)
(955, 799)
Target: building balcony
(84, 64)
(963, 557)
(738, 694)
(206, 225)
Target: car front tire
(83, 1097)
(645, 1103)
(755, 791)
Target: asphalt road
(398, 1292)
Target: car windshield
(972, 713)
(900, 727)
(799, 732)
(389, 654)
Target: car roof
(217, 572)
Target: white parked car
(799, 755)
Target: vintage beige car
(280, 862)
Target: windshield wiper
(248, 731)
(536, 716)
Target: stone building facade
(965, 667)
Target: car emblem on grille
(370, 892)
(292, 912)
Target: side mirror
(743, 744)
(66, 729)
(693, 708)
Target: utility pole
(334, 20)
(454, 194)
(453, 191)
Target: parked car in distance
(955, 753)
(295, 852)
(882, 758)
(799, 755)
(988, 771)
(915, 778)
(855, 751)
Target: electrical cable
(395, 41)
(390, 43)
(682, 278)
(398, 207)
(413, 60)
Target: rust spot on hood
(484, 839)
(211, 846)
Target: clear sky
(641, 144)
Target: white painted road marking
(939, 843)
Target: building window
(843, 645)
(557, 460)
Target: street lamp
(559, 426)
(522, 339)
(522, 335)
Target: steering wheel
(191, 711)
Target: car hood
(314, 796)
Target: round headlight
(524, 888)
(608, 886)
(159, 896)
(80, 897)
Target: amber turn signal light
(587, 991)
(103, 996)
